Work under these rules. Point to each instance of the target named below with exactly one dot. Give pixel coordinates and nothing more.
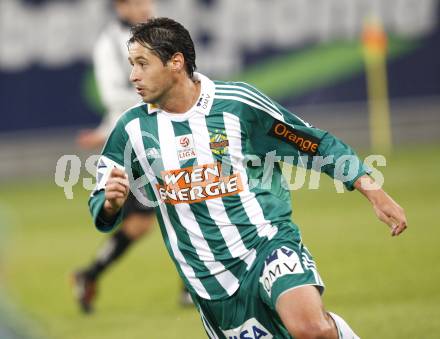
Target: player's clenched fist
(116, 191)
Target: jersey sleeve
(112, 156)
(271, 127)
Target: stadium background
(307, 55)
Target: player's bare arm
(386, 209)
(116, 192)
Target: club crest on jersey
(218, 142)
(197, 183)
(185, 147)
(281, 262)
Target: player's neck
(182, 96)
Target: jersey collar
(204, 102)
(207, 91)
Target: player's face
(152, 79)
(135, 11)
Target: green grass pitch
(384, 287)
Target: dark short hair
(165, 37)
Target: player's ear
(177, 62)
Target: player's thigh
(248, 313)
(302, 312)
(251, 312)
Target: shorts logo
(281, 262)
(303, 141)
(197, 183)
(185, 147)
(251, 329)
(218, 142)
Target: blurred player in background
(233, 242)
(112, 73)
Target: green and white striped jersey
(202, 167)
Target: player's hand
(90, 139)
(386, 209)
(116, 191)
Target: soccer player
(117, 93)
(233, 242)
